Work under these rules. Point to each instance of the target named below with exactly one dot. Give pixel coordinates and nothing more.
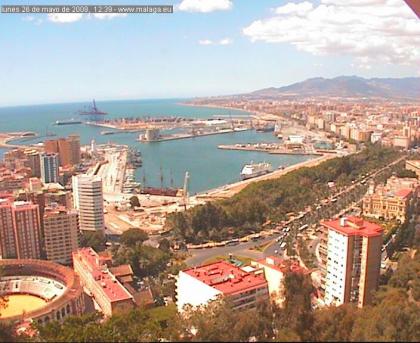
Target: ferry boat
(255, 169)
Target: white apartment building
(88, 199)
(353, 260)
(198, 286)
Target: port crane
(231, 121)
(93, 112)
(185, 194)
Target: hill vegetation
(345, 87)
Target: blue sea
(209, 167)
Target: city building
(106, 290)
(413, 165)
(67, 148)
(11, 181)
(34, 162)
(88, 199)
(20, 230)
(61, 234)
(387, 202)
(199, 285)
(353, 248)
(51, 146)
(402, 142)
(274, 271)
(49, 163)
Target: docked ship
(105, 133)
(255, 169)
(171, 192)
(265, 128)
(71, 121)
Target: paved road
(242, 249)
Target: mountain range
(346, 87)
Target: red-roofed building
(107, 291)
(199, 285)
(390, 201)
(275, 269)
(353, 259)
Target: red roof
(354, 226)
(405, 192)
(281, 265)
(227, 278)
(110, 285)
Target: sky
(204, 48)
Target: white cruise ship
(255, 169)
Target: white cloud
(224, 41)
(63, 18)
(299, 9)
(205, 6)
(205, 42)
(104, 16)
(371, 30)
(28, 18)
(32, 19)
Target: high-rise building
(353, 248)
(51, 146)
(7, 232)
(61, 234)
(34, 162)
(49, 167)
(64, 150)
(20, 230)
(74, 149)
(88, 199)
(67, 148)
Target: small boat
(71, 121)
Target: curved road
(242, 249)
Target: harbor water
(209, 167)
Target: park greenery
(145, 260)
(93, 239)
(245, 212)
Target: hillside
(346, 87)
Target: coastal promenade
(230, 190)
(6, 137)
